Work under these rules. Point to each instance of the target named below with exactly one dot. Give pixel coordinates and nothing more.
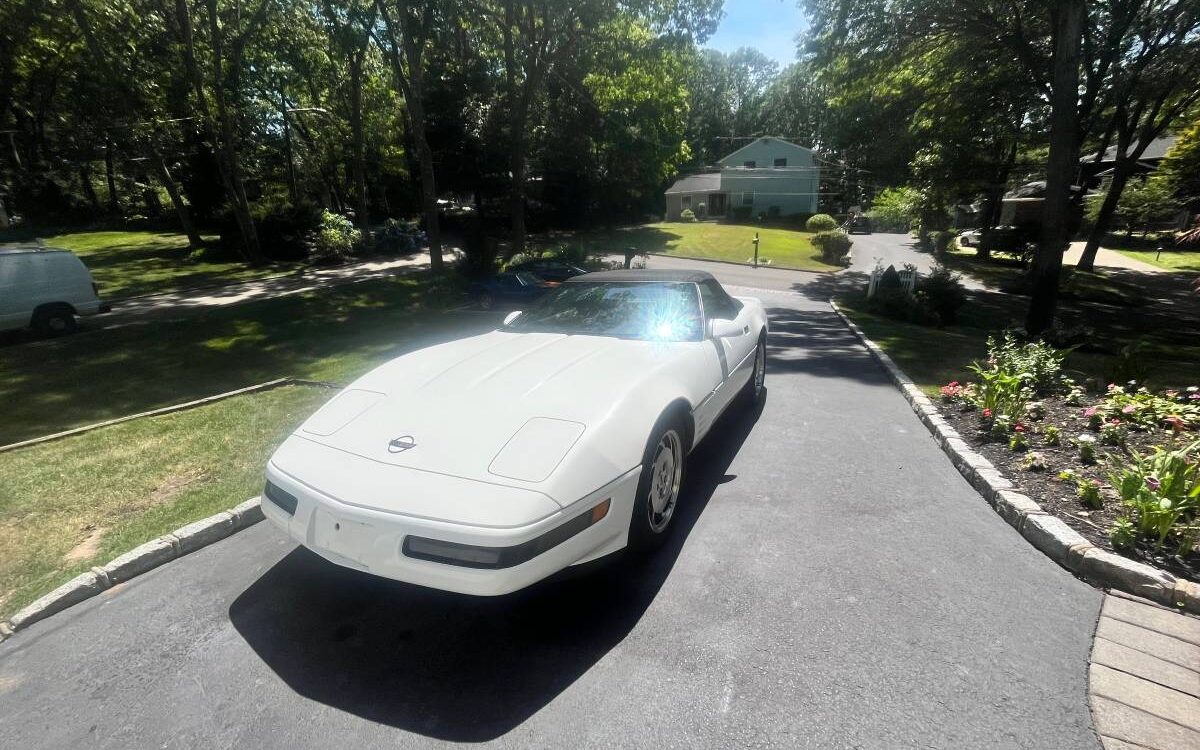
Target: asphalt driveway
(833, 582)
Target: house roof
(1156, 150)
(705, 182)
(759, 140)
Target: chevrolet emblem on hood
(401, 444)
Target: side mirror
(512, 316)
(721, 328)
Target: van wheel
(56, 320)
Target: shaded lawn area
(730, 242)
(933, 356)
(132, 482)
(1008, 275)
(129, 264)
(331, 334)
(1171, 260)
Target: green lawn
(1171, 260)
(73, 503)
(128, 264)
(933, 356)
(730, 242)
(1008, 275)
(325, 334)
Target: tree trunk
(110, 174)
(1108, 208)
(358, 163)
(89, 190)
(1061, 163)
(181, 210)
(517, 192)
(433, 230)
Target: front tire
(658, 489)
(756, 386)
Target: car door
(735, 351)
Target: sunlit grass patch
(70, 504)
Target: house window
(687, 201)
(749, 164)
(781, 162)
(748, 198)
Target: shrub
(687, 215)
(1146, 410)
(1162, 491)
(397, 237)
(1019, 441)
(1051, 435)
(1038, 363)
(833, 245)
(337, 237)
(1122, 533)
(1086, 444)
(944, 294)
(742, 213)
(821, 223)
(518, 259)
(1000, 393)
(285, 230)
(1034, 461)
(894, 209)
(941, 241)
(1088, 492)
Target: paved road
(832, 583)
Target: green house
(768, 176)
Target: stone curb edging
(1048, 533)
(140, 559)
(269, 385)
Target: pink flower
(1020, 427)
(1089, 412)
(1129, 409)
(1112, 387)
(987, 413)
(1153, 484)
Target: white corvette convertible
(485, 464)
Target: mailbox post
(756, 249)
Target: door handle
(745, 329)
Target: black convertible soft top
(641, 275)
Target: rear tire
(658, 490)
(56, 320)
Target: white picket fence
(908, 280)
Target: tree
(228, 35)
(1155, 84)
(1181, 167)
(409, 30)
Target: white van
(44, 289)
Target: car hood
(502, 407)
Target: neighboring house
(769, 176)
(1097, 174)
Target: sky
(769, 25)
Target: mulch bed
(1058, 497)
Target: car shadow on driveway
(460, 668)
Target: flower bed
(1121, 467)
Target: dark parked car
(509, 289)
(549, 269)
(858, 223)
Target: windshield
(651, 311)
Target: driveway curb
(139, 560)
(1048, 533)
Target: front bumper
(374, 541)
